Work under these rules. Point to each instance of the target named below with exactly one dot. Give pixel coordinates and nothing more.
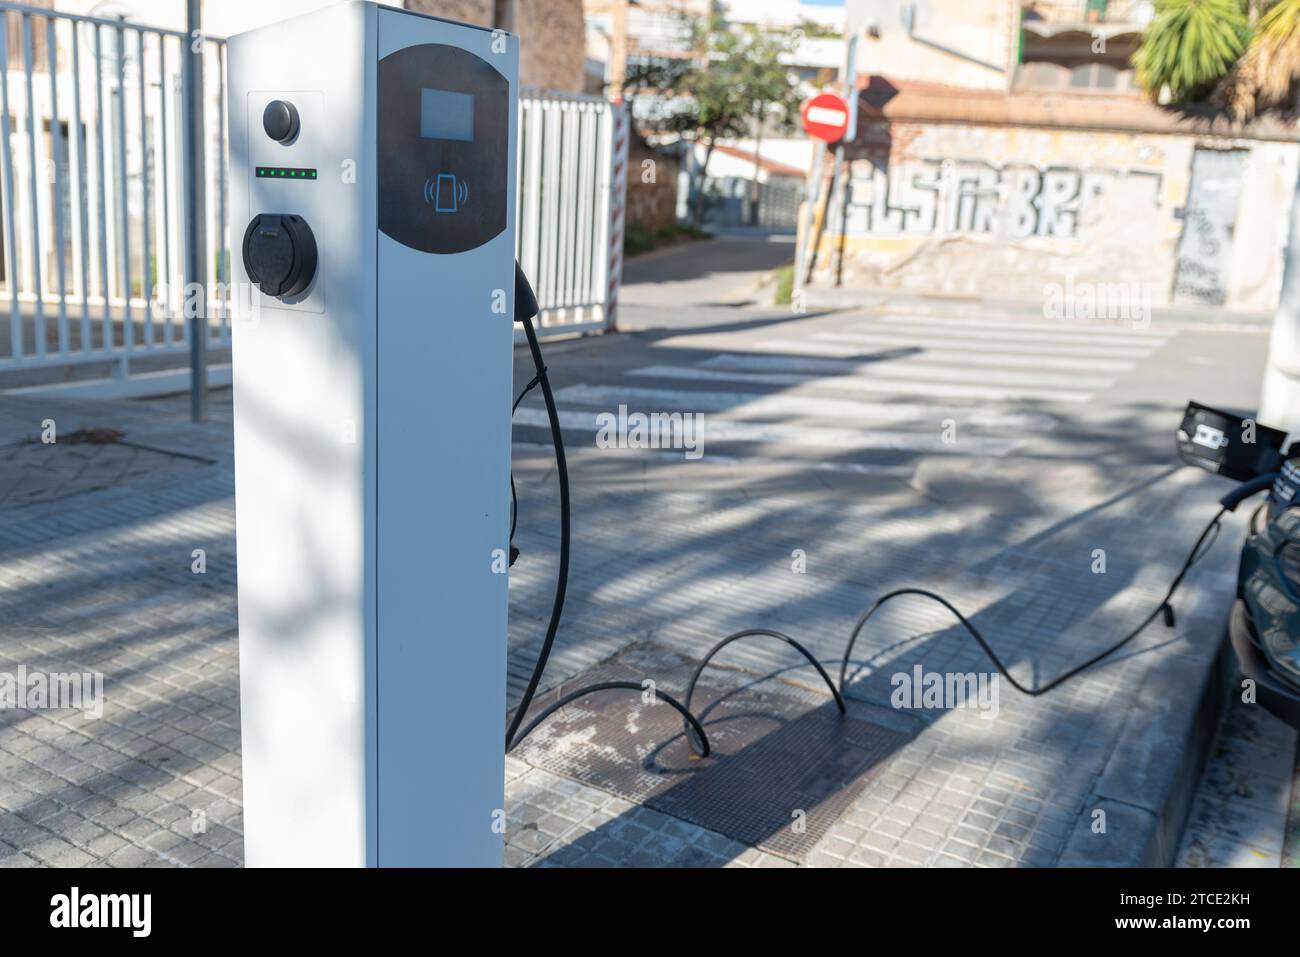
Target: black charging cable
(524, 314)
(562, 575)
(514, 496)
(525, 309)
(1211, 531)
(1204, 541)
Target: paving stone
(89, 580)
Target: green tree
(1190, 46)
(730, 84)
(1265, 77)
(771, 89)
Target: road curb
(1147, 787)
(923, 304)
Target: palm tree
(1265, 77)
(1190, 46)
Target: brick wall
(552, 35)
(553, 44)
(651, 204)
(478, 12)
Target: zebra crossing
(868, 394)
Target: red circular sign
(826, 117)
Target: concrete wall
(1260, 235)
(1003, 211)
(964, 43)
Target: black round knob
(280, 120)
(280, 254)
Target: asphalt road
(691, 323)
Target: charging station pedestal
(372, 221)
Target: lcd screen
(446, 116)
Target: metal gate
(572, 193)
(92, 181)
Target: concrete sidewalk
(1125, 738)
(724, 271)
(120, 558)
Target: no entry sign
(826, 117)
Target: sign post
(825, 118)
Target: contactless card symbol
(445, 193)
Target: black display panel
(444, 137)
(446, 116)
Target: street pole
(804, 237)
(844, 215)
(850, 134)
(819, 225)
(196, 291)
(1279, 403)
(810, 236)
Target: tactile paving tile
(785, 764)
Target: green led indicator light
(284, 172)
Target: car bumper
(1272, 691)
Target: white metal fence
(92, 179)
(92, 182)
(572, 191)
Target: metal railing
(92, 177)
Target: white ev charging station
(372, 217)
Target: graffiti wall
(944, 195)
(1002, 212)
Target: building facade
(1013, 156)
